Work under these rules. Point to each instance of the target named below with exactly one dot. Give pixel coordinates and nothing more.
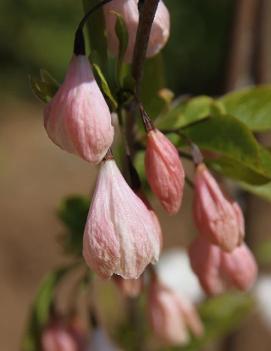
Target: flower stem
(146, 18)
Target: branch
(146, 18)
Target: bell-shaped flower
(120, 236)
(218, 270)
(128, 9)
(171, 316)
(215, 216)
(58, 336)
(155, 218)
(77, 118)
(205, 260)
(160, 30)
(164, 170)
(240, 267)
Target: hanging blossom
(218, 218)
(120, 235)
(77, 119)
(128, 9)
(60, 336)
(218, 270)
(171, 315)
(164, 170)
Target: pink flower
(120, 235)
(218, 270)
(77, 119)
(59, 337)
(216, 217)
(240, 267)
(171, 316)
(160, 30)
(154, 216)
(128, 9)
(205, 260)
(128, 287)
(164, 171)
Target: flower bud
(240, 267)
(57, 337)
(77, 119)
(170, 316)
(128, 9)
(128, 287)
(120, 236)
(164, 171)
(215, 215)
(205, 260)
(160, 30)
(218, 270)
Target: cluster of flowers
(219, 256)
(122, 235)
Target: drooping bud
(58, 336)
(215, 215)
(170, 316)
(78, 119)
(160, 30)
(164, 171)
(128, 287)
(218, 270)
(240, 267)
(205, 260)
(128, 9)
(120, 236)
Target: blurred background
(215, 46)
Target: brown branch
(146, 18)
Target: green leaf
(185, 112)
(44, 87)
(122, 35)
(263, 191)
(47, 78)
(228, 137)
(41, 307)
(237, 171)
(252, 106)
(73, 213)
(41, 90)
(105, 87)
